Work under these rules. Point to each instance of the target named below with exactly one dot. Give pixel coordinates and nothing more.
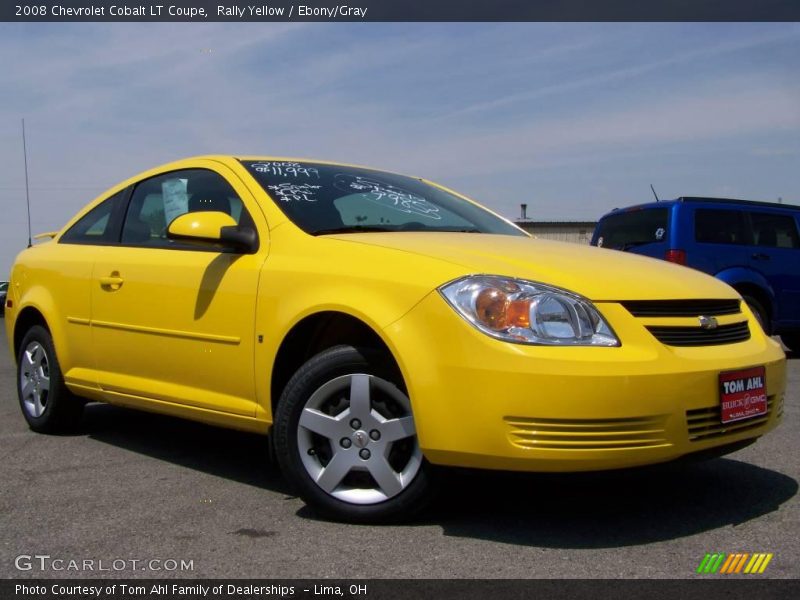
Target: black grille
(695, 336)
(681, 308)
(706, 423)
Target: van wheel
(345, 438)
(47, 405)
(760, 313)
(791, 341)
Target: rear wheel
(46, 403)
(345, 437)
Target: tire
(46, 403)
(760, 313)
(791, 341)
(360, 463)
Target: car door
(70, 279)
(174, 322)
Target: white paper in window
(176, 200)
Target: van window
(774, 231)
(713, 226)
(623, 230)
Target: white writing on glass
(387, 195)
(285, 169)
(288, 192)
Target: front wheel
(345, 437)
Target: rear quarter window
(98, 225)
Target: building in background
(577, 232)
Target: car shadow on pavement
(569, 510)
(608, 509)
(234, 455)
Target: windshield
(323, 199)
(623, 230)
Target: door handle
(113, 281)
(760, 256)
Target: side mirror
(212, 227)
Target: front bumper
(479, 402)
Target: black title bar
(398, 10)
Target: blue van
(752, 246)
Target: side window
(156, 202)
(714, 226)
(774, 230)
(99, 225)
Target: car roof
(301, 159)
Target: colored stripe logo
(737, 563)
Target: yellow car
(378, 326)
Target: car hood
(597, 273)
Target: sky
(572, 119)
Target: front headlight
(526, 312)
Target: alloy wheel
(34, 371)
(357, 439)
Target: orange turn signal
(496, 310)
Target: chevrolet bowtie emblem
(708, 322)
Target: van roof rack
(737, 201)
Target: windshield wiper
(351, 229)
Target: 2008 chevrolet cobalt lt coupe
(377, 325)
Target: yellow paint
(755, 562)
(763, 566)
(202, 225)
(175, 331)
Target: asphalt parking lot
(138, 487)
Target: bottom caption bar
(390, 589)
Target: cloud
(617, 75)
(723, 110)
(775, 152)
(464, 103)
